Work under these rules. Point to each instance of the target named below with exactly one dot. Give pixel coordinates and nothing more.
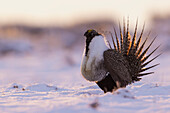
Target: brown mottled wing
(117, 67)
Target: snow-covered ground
(41, 74)
(40, 83)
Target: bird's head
(93, 38)
(90, 34)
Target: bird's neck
(97, 46)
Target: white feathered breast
(97, 47)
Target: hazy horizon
(65, 13)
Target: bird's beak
(85, 34)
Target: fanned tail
(134, 39)
(126, 40)
(133, 52)
(121, 37)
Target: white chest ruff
(92, 67)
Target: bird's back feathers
(126, 61)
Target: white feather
(97, 47)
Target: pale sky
(66, 12)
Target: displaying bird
(114, 68)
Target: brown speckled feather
(117, 66)
(124, 63)
(128, 65)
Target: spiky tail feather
(132, 52)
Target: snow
(51, 82)
(14, 46)
(48, 83)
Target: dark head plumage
(90, 34)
